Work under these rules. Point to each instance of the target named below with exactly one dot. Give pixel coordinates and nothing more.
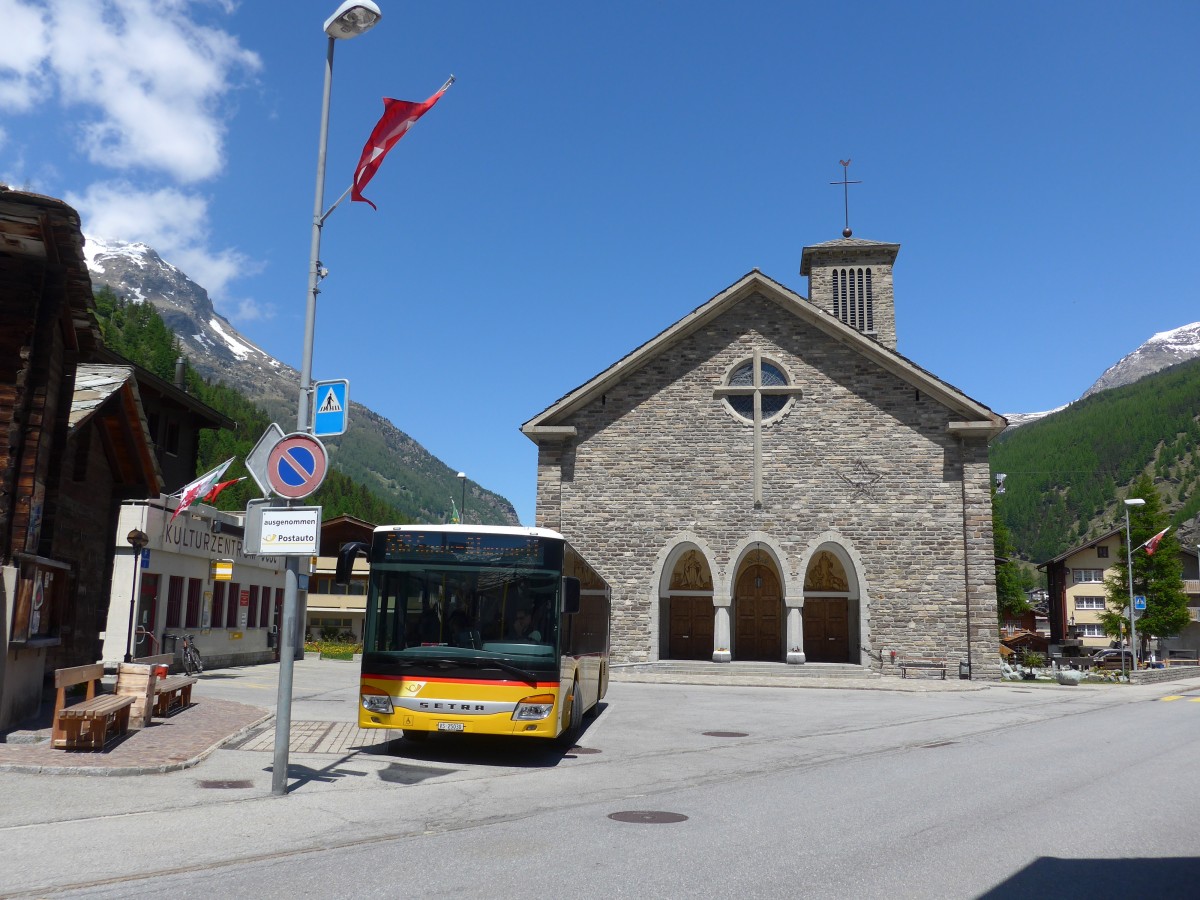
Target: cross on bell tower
(845, 183)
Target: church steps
(733, 672)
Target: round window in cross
(771, 387)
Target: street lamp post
(462, 513)
(1132, 501)
(352, 18)
(138, 540)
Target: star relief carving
(862, 480)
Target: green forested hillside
(1066, 473)
(137, 332)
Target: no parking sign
(297, 466)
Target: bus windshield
(462, 610)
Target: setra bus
(480, 630)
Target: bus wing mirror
(345, 561)
(570, 595)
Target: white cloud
(23, 70)
(143, 79)
(174, 223)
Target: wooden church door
(758, 611)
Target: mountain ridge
(374, 451)
(1158, 352)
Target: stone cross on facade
(773, 388)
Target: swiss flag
(398, 117)
(1152, 544)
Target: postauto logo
(288, 538)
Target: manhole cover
(647, 817)
(581, 751)
(726, 734)
(225, 785)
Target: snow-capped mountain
(411, 477)
(136, 272)
(1165, 349)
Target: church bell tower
(851, 279)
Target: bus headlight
(538, 706)
(377, 702)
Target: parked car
(1112, 656)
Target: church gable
(682, 346)
(690, 410)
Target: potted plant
(1031, 659)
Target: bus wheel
(416, 736)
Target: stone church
(769, 479)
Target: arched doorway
(826, 610)
(689, 608)
(758, 611)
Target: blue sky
(599, 170)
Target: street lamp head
(352, 18)
(462, 474)
(1135, 501)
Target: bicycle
(192, 663)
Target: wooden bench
(173, 692)
(92, 723)
(923, 665)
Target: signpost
(331, 403)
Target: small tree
(1010, 594)
(1157, 576)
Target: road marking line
(1169, 699)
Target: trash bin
(964, 668)
(168, 643)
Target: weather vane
(845, 183)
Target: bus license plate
(450, 726)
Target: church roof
(978, 417)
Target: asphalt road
(1013, 791)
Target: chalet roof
(149, 383)
(108, 395)
(46, 232)
(1080, 548)
(978, 417)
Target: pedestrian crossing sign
(331, 403)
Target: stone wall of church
(860, 454)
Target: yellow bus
(480, 630)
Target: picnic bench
(93, 722)
(172, 693)
(922, 665)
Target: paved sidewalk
(177, 742)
